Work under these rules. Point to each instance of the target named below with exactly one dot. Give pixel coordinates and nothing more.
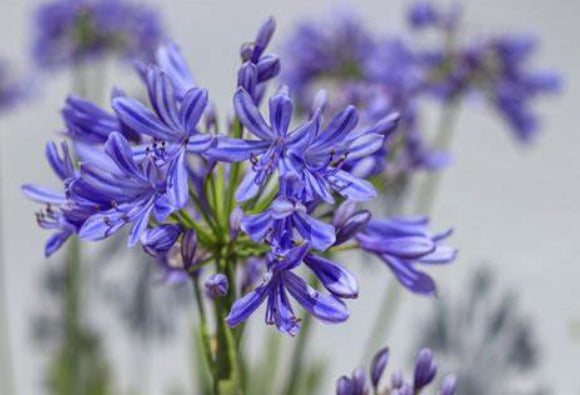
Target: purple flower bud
(246, 51)
(159, 240)
(235, 221)
(378, 365)
(188, 248)
(268, 67)
(263, 38)
(216, 285)
(352, 226)
(247, 77)
(344, 386)
(359, 382)
(425, 369)
(252, 271)
(343, 212)
(397, 378)
(448, 385)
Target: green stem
(445, 132)
(204, 331)
(72, 320)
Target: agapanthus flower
(62, 215)
(281, 280)
(379, 75)
(270, 152)
(72, 31)
(403, 243)
(424, 374)
(173, 123)
(496, 67)
(287, 215)
(133, 191)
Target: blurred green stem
(425, 200)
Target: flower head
(72, 31)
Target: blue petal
(257, 226)
(280, 113)
(281, 208)
(243, 307)
(352, 187)
(140, 118)
(442, 254)
(336, 278)
(56, 241)
(63, 167)
(409, 247)
(320, 234)
(293, 257)
(177, 185)
(172, 61)
(411, 278)
(43, 195)
(338, 128)
(279, 310)
(324, 307)
(230, 149)
(192, 108)
(250, 116)
(248, 188)
(365, 145)
(120, 152)
(140, 222)
(199, 143)
(162, 97)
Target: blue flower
(323, 152)
(11, 90)
(62, 215)
(71, 31)
(402, 243)
(133, 191)
(172, 122)
(287, 216)
(268, 153)
(280, 280)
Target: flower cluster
(261, 190)
(382, 74)
(424, 375)
(70, 31)
(496, 67)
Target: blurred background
(514, 208)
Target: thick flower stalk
(245, 205)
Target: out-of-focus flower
(72, 31)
